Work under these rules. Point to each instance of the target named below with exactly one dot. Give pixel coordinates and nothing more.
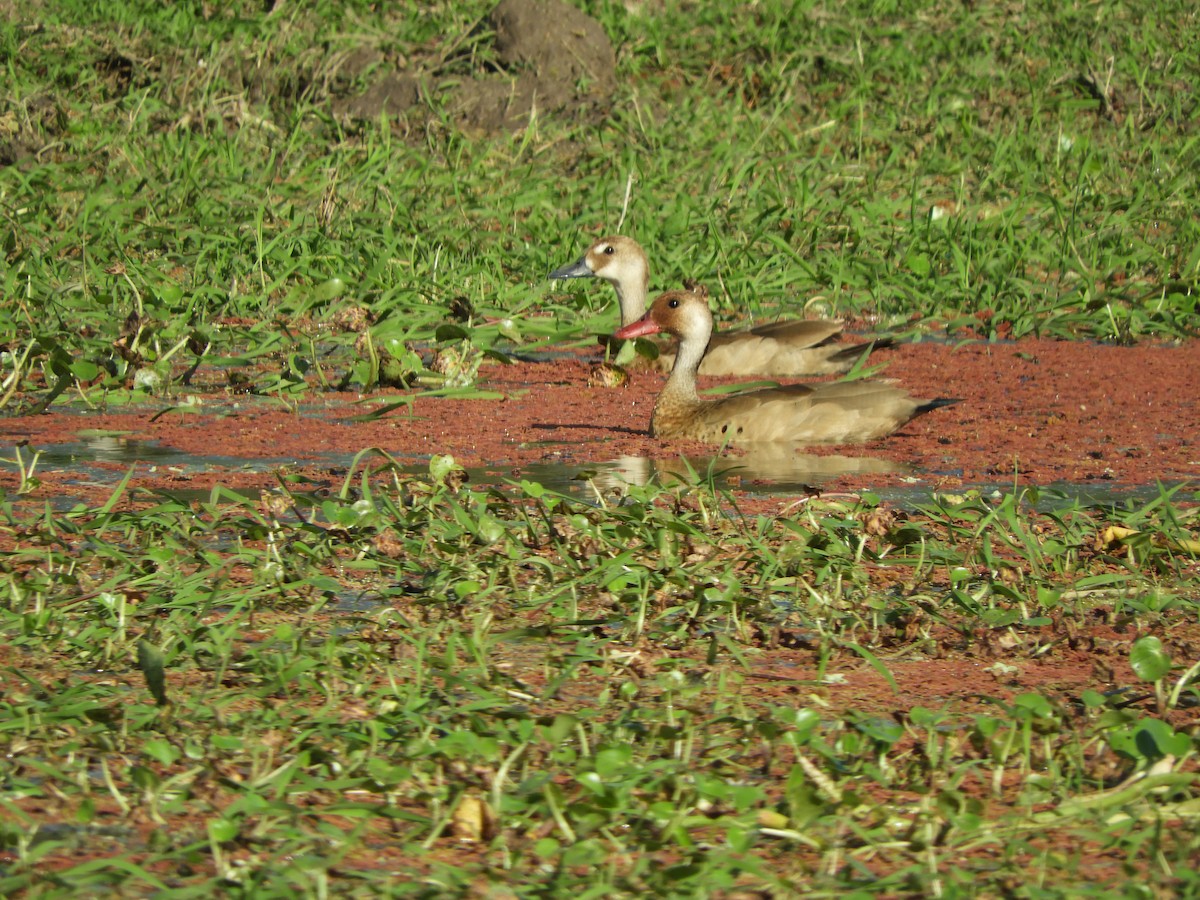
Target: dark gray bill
(577, 269)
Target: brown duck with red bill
(833, 413)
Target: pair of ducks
(833, 413)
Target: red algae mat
(1029, 412)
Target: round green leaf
(169, 294)
(1156, 739)
(222, 830)
(592, 781)
(612, 762)
(449, 332)
(84, 370)
(327, 290)
(1148, 659)
(1033, 706)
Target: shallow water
(764, 471)
(100, 450)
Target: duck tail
(931, 405)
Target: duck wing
(794, 349)
(801, 332)
(838, 413)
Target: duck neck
(631, 297)
(681, 384)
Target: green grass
(187, 167)
(323, 681)
(295, 697)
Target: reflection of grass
(550, 679)
(591, 693)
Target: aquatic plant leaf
(1148, 659)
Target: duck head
(684, 314)
(617, 259)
